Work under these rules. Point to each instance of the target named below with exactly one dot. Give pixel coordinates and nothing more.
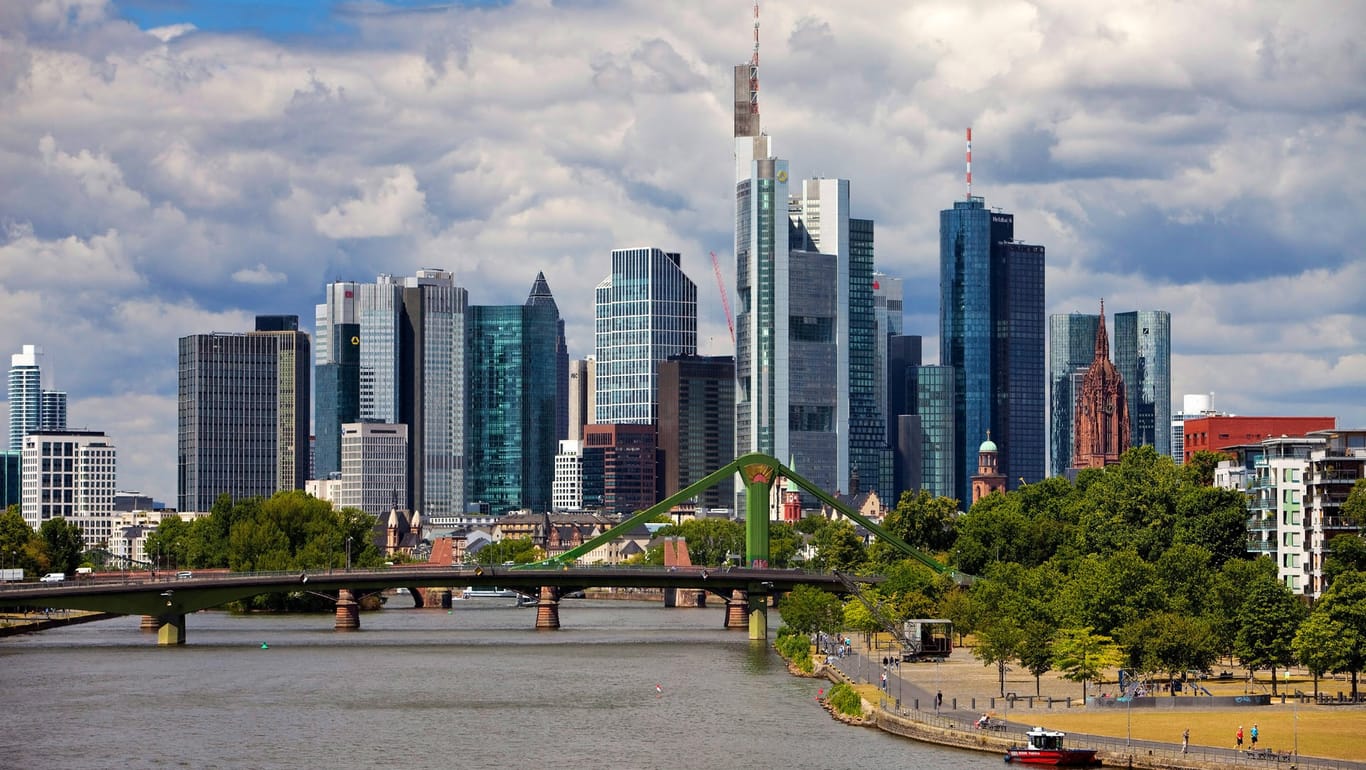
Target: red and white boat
(1047, 747)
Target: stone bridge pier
(348, 611)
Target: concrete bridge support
(758, 616)
(348, 611)
(737, 610)
(171, 629)
(149, 624)
(548, 609)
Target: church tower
(989, 477)
(1102, 412)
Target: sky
(174, 167)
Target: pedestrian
(1240, 736)
(1253, 735)
(1185, 740)
(884, 682)
(938, 700)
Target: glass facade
(869, 451)
(25, 395)
(936, 405)
(1071, 347)
(646, 311)
(697, 424)
(1143, 356)
(991, 331)
(761, 255)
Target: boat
(1047, 747)
(489, 592)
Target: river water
(475, 687)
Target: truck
(53, 577)
(11, 575)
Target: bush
(845, 700)
(796, 648)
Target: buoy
(265, 646)
(659, 689)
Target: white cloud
(387, 206)
(259, 276)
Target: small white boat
(489, 592)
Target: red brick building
(1215, 433)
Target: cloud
(386, 206)
(259, 276)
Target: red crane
(725, 303)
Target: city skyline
(180, 181)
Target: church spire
(1102, 339)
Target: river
(473, 687)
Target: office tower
(1101, 415)
(1143, 355)
(72, 475)
(374, 467)
(512, 403)
(336, 373)
(11, 471)
(1071, 349)
(905, 435)
(991, 332)
(888, 320)
(936, 403)
(25, 395)
(697, 424)
(243, 415)
(579, 388)
(567, 488)
(646, 311)
(622, 463)
(52, 412)
(863, 362)
(540, 295)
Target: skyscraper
(73, 476)
(1143, 355)
(1071, 348)
(243, 415)
(936, 414)
(336, 373)
(697, 424)
(905, 429)
(512, 408)
(25, 395)
(374, 470)
(991, 332)
(646, 312)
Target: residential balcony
(1261, 546)
(1335, 522)
(1259, 524)
(1319, 479)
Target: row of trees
(57, 546)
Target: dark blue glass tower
(991, 324)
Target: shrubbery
(795, 647)
(845, 700)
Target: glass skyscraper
(25, 395)
(991, 333)
(1143, 356)
(1071, 348)
(936, 405)
(646, 312)
(512, 387)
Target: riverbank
(14, 623)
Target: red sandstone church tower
(989, 477)
(1102, 415)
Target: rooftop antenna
(969, 157)
(754, 66)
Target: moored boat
(1047, 747)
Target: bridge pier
(548, 609)
(171, 629)
(737, 610)
(149, 624)
(758, 616)
(348, 611)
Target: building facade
(70, 475)
(243, 415)
(992, 333)
(567, 488)
(937, 412)
(580, 386)
(1143, 355)
(1193, 406)
(1216, 433)
(374, 472)
(697, 424)
(1101, 416)
(512, 408)
(30, 407)
(646, 311)
(623, 465)
(1071, 349)
(1334, 468)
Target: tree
(809, 610)
(1344, 603)
(20, 546)
(1036, 650)
(1322, 645)
(919, 520)
(1267, 621)
(1170, 642)
(999, 643)
(1346, 553)
(838, 547)
(519, 550)
(858, 618)
(962, 610)
(1082, 656)
(709, 540)
(1200, 468)
(64, 544)
(784, 542)
(1354, 507)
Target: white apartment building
(71, 475)
(131, 528)
(1334, 468)
(374, 461)
(566, 490)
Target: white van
(53, 577)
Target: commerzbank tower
(805, 341)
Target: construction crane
(725, 303)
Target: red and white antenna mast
(754, 66)
(969, 162)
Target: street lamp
(348, 553)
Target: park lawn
(1324, 731)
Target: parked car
(184, 575)
(53, 577)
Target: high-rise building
(623, 464)
(579, 388)
(52, 413)
(25, 395)
(512, 408)
(1101, 415)
(697, 424)
(567, 488)
(11, 471)
(541, 296)
(646, 311)
(1143, 355)
(904, 356)
(70, 475)
(374, 470)
(936, 419)
(336, 373)
(992, 332)
(243, 415)
(1071, 348)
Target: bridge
(747, 588)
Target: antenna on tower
(754, 66)
(969, 162)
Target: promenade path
(971, 689)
